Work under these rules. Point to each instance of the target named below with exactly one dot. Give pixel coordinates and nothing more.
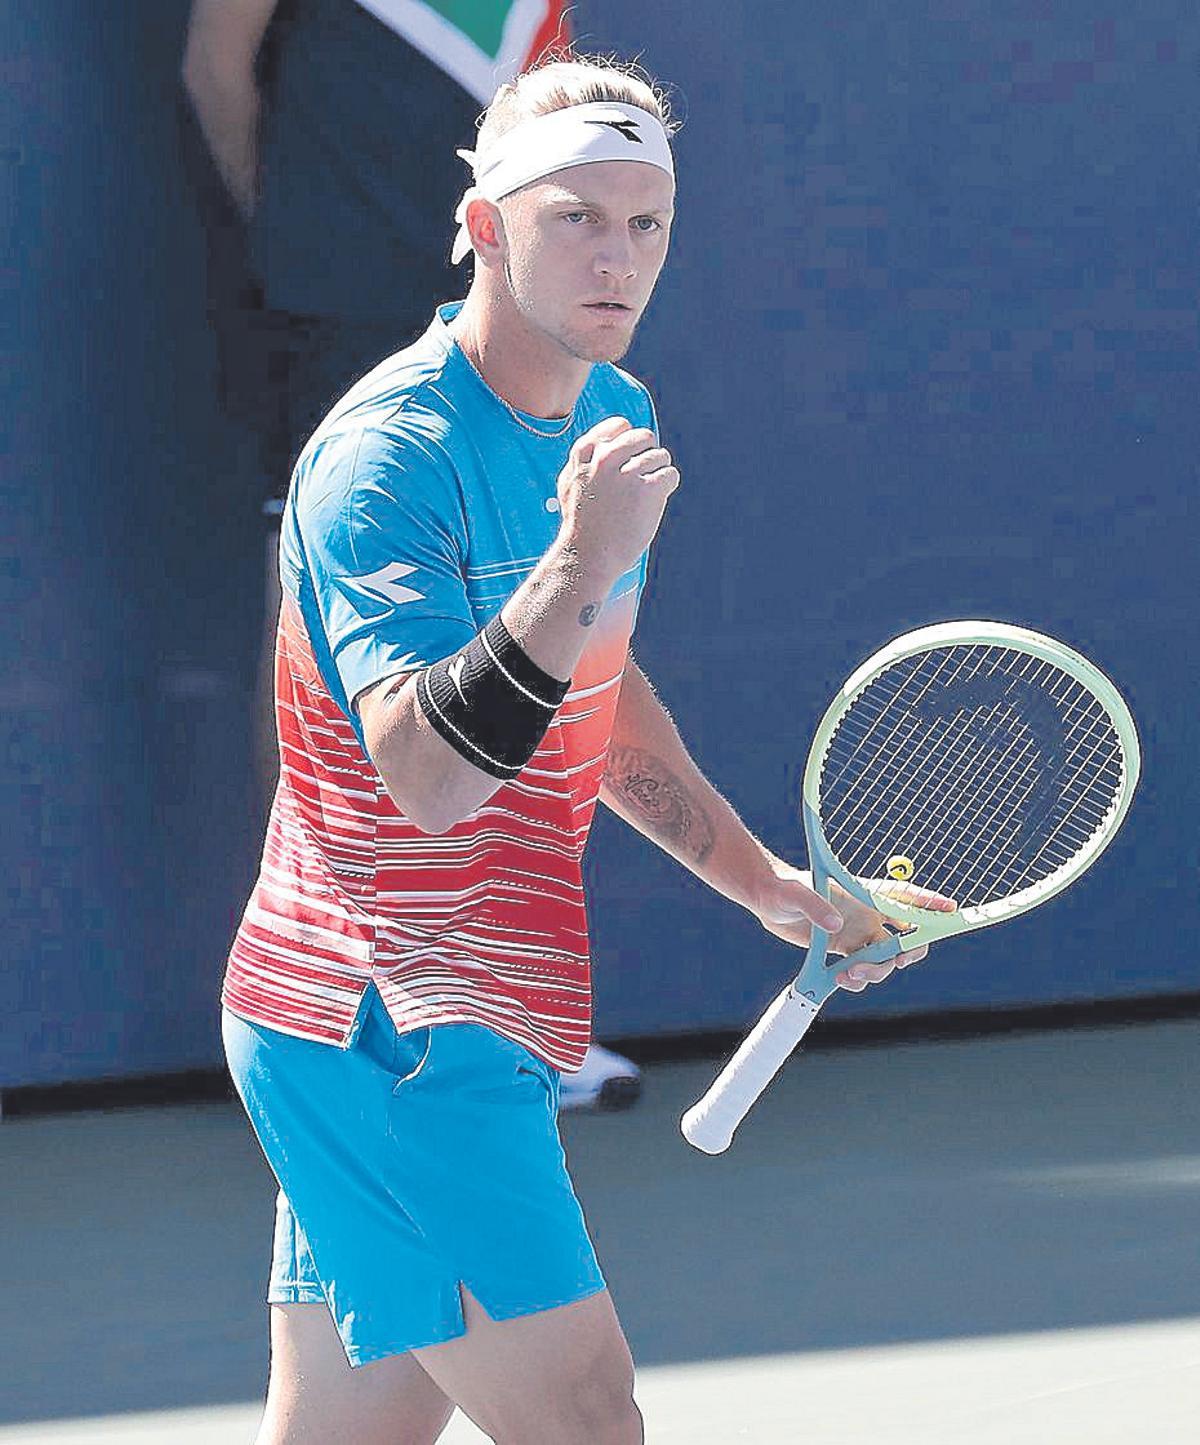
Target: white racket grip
(710, 1124)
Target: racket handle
(710, 1124)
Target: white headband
(578, 135)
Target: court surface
(994, 1240)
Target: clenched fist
(612, 492)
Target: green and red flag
(481, 43)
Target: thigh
(314, 1395)
(558, 1377)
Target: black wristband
(491, 702)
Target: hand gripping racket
(985, 762)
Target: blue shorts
(409, 1163)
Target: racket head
(985, 761)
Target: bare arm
(223, 40)
(652, 782)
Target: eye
(646, 224)
(574, 217)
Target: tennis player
(462, 556)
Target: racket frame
(710, 1124)
(928, 926)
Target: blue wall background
(926, 348)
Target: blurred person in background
(320, 135)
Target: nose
(616, 259)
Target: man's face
(585, 247)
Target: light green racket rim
(1021, 639)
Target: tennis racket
(985, 762)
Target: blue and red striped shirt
(416, 510)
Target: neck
(520, 363)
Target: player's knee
(620, 1424)
(593, 1406)
(600, 1410)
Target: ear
(486, 226)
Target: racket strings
(1098, 778)
(900, 777)
(954, 750)
(1020, 761)
(976, 853)
(1017, 760)
(957, 843)
(994, 867)
(957, 758)
(889, 745)
(918, 782)
(1030, 768)
(985, 794)
(963, 774)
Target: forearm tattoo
(655, 794)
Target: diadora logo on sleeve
(386, 583)
(627, 128)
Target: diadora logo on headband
(627, 128)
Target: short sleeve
(652, 413)
(381, 527)
(636, 401)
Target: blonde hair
(564, 78)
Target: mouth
(608, 308)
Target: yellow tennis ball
(900, 868)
